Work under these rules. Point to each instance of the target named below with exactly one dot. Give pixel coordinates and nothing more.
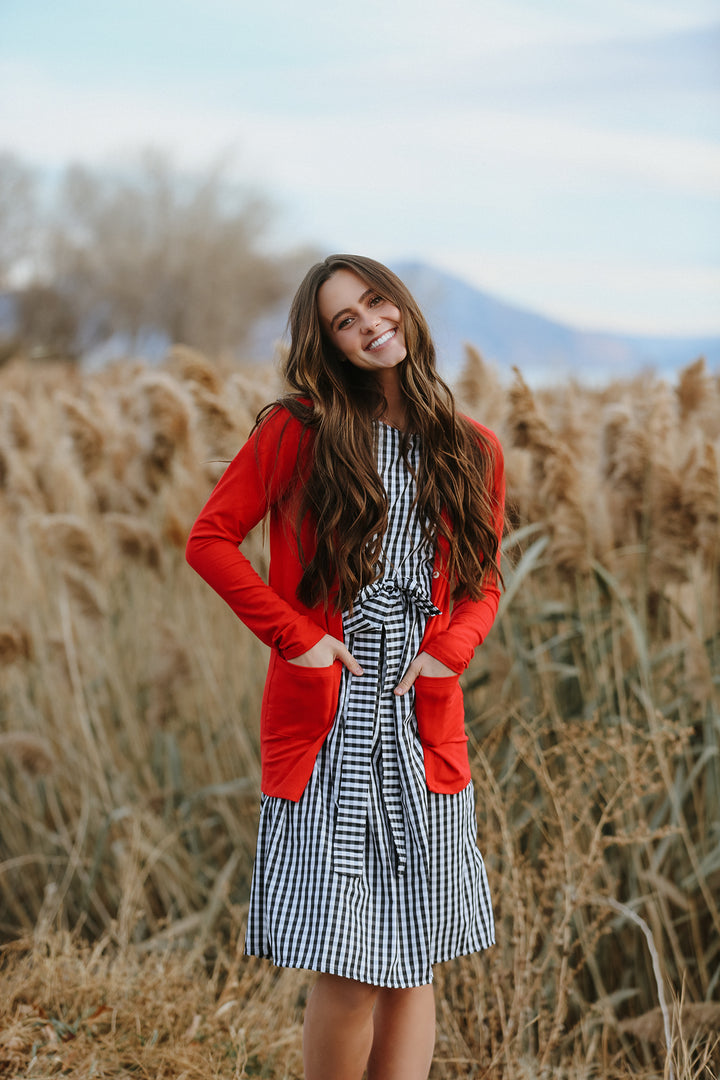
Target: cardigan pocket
(300, 702)
(440, 712)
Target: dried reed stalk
(129, 706)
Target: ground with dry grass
(129, 700)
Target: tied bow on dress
(376, 634)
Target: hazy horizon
(564, 158)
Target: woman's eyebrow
(345, 310)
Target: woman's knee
(347, 994)
(408, 1000)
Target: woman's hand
(325, 653)
(423, 664)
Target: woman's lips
(377, 342)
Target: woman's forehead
(344, 288)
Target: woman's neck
(395, 412)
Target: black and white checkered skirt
(370, 875)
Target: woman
(385, 518)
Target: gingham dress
(370, 875)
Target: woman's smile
(366, 327)
(378, 342)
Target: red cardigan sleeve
(252, 484)
(471, 620)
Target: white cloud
(551, 145)
(53, 123)
(375, 167)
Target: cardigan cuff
(298, 638)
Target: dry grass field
(129, 701)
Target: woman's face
(365, 327)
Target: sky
(561, 154)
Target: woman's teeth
(379, 341)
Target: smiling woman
(364, 324)
(368, 331)
(385, 520)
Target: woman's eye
(376, 300)
(343, 323)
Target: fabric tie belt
(377, 636)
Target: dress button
(436, 573)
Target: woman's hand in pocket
(325, 653)
(423, 664)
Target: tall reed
(129, 702)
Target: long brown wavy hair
(342, 491)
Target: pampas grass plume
(32, 753)
(222, 431)
(693, 388)
(67, 536)
(167, 408)
(15, 422)
(88, 437)
(672, 533)
(471, 384)
(135, 538)
(527, 427)
(701, 494)
(192, 366)
(86, 594)
(15, 644)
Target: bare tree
(149, 249)
(18, 215)
(46, 323)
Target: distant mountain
(545, 351)
(505, 334)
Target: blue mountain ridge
(544, 350)
(505, 334)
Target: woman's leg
(404, 1034)
(338, 1029)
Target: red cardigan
(299, 703)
